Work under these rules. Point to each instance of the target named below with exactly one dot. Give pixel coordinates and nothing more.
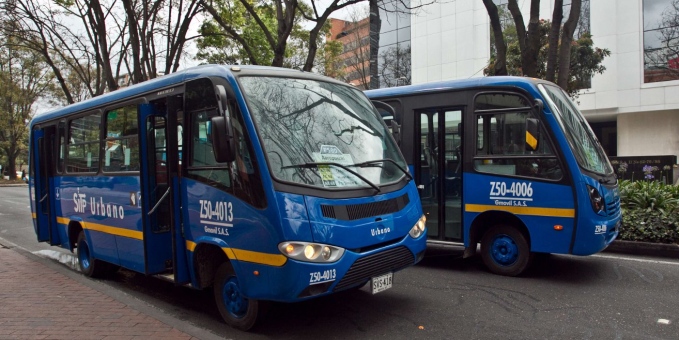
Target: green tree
(100, 42)
(23, 78)
(584, 59)
(241, 32)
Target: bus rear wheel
(86, 262)
(505, 250)
(236, 310)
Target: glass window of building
(661, 40)
(390, 46)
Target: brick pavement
(39, 302)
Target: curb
(644, 248)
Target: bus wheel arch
(505, 243)
(74, 229)
(206, 260)
(88, 264)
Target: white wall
(641, 134)
(450, 40)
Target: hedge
(649, 212)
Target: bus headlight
(310, 252)
(596, 199)
(418, 229)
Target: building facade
(355, 56)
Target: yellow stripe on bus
(105, 228)
(275, 260)
(548, 212)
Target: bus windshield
(588, 152)
(321, 134)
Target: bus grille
(613, 208)
(383, 262)
(357, 211)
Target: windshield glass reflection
(586, 147)
(321, 134)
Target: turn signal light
(558, 227)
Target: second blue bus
(506, 162)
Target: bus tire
(86, 262)
(237, 311)
(505, 250)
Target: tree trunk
(286, 18)
(313, 47)
(557, 16)
(500, 68)
(566, 40)
(529, 40)
(133, 29)
(98, 21)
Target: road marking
(664, 321)
(636, 260)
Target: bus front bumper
(297, 280)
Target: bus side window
(83, 146)
(202, 164)
(501, 139)
(121, 151)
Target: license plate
(382, 282)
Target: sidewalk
(41, 299)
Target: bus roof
(164, 82)
(451, 85)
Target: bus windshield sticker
(333, 176)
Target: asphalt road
(605, 296)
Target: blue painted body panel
(479, 190)
(366, 231)
(99, 200)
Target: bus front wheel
(86, 262)
(236, 310)
(505, 250)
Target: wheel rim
(504, 250)
(233, 300)
(84, 255)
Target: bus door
(45, 217)
(163, 243)
(439, 172)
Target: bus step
(166, 277)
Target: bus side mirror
(388, 115)
(221, 99)
(396, 131)
(532, 134)
(223, 144)
(538, 105)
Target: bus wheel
(505, 251)
(236, 310)
(88, 265)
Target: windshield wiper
(389, 160)
(605, 180)
(316, 164)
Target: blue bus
(265, 184)
(506, 162)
